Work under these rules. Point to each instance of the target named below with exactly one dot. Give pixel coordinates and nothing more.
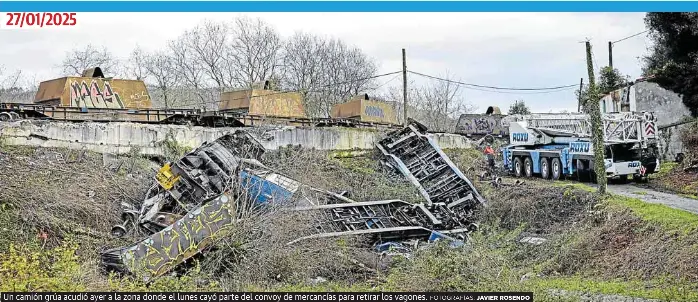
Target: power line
(288, 91)
(387, 82)
(521, 92)
(628, 37)
(492, 87)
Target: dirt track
(647, 195)
(653, 196)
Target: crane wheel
(556, 169)
(544, 168)
(528, 166)
(518, 167)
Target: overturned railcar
(162, 251)
(387, 220)
(200, 197)
(419, 158)
(181, 186)
(197, 199)
(250, 191)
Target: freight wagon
(93, 97)
(363, 109)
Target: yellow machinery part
(166, 178)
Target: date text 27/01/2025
(39, 19)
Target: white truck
(555, 146)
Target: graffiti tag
(374, 111)
(140, 99)
(91, 95)
(481, 124)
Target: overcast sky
(494, 49)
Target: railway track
(195, 117)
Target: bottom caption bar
(267, 297)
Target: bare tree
(437, 105)
(441, 103)
(207, 43)
(190, 72)
(254, 51)
(301, 65)
(161, 69)
(10, 86)
(394, 95)
(9, 79)
(326, 71)
(77, 60)
(303, 68)
(519, 107)
(135, 65)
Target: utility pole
(610, 54)
(592, 108)
(579, 101)
(404, 88)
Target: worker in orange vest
(489, 152)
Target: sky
(524, 50)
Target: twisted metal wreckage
(196, 201)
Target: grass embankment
(603, 245)
(674, 179)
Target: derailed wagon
(199, 198)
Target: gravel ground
(654, 196)
(588, 297)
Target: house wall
(667, 106)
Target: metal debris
(388, 220)
(182, 186)
(197, 199)
(419, 158)
(533, 240)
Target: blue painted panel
(553, 147)
(535, 158)
(506, 158)
(566, 161)
(438, 236)
(263, 190)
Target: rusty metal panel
(376, 111)
(482, 124)
(264, 102)
(273, 103)
(235, 100)
(164, 250)
(83, 92)
(50, 90)
(419, 158)
(351, 109)
(386, 220)
(365, 111)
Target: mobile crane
(555, 146)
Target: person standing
(489, 153)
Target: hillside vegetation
(57, 206)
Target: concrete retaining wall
(120, 138)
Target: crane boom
(618, 128)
